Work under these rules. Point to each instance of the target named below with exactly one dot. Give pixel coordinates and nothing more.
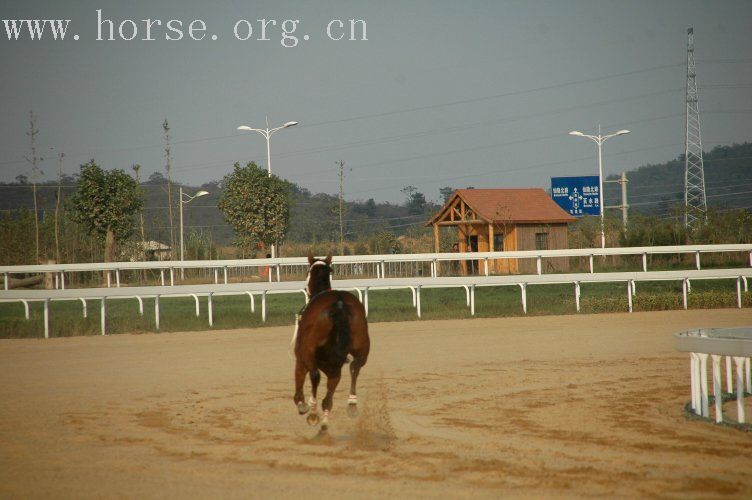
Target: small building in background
(155, 250)
(494, 220)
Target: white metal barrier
(379, 263)
(363, 286)
(733, 343)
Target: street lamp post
(599, 140)
(267, 133)
(183, 201)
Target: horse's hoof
(352, 400)
(352, 410)
(303, 408)
(312, 419)
(324, 427)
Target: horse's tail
(341, 330)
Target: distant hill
(655, 189)
(652, 190)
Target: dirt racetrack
(587, 405)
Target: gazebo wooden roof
(494, 206)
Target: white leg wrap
(352, 400)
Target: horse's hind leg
(299, 398)
(326, 404)
(313, 417)
(352, 401)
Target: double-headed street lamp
(267, 133)
(185, 198)
(599, 140)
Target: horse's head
(319, 274)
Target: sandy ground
(537, 406)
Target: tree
(105, 203)
(416, 201)
(256, 205)
(157, 178)
(417, 204)
(445, 193)
(408, 191)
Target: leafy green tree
(256, 206)
(445, 193)
(106, 204)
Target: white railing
(362, 287)
(377, 264)
(733, 343)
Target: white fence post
(704, 383)
(210, 309)
(684, 292)
(629, 294)
(739, 361)
(103, 317)
(717, 394)
(46, 318)
(739, 292)
(156, 312)
(197, 304)
(729, 376)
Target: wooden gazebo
(490, 220)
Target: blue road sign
(577, 195)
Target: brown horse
(331, 326)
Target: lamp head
(245, 127)
(622, 132)
(289, 124)
(576, 132)
(201, 193)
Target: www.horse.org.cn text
(287, 32)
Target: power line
(413, 109)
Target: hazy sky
(471, 93)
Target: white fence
(350, 266)
(733, 343)
(363, 286)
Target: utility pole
(695, 205)
(168, 167)
(624, 206)
(35, 172)
(341, 203)
(136, 168)
(57, 205)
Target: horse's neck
(320, 287)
